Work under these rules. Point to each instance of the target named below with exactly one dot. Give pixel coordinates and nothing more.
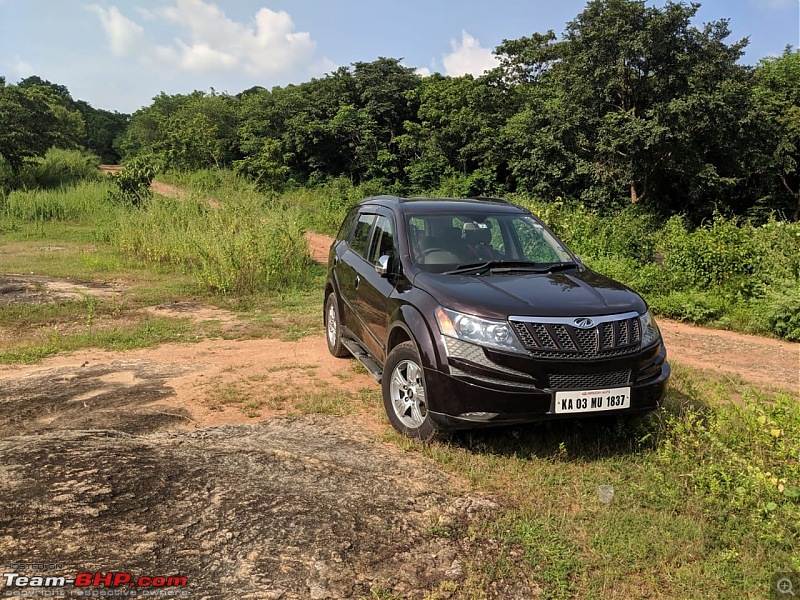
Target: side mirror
(382, 267)
(580, 261)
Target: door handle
(335, 260)
(358, 280)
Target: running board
(364, 358)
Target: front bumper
(471, 396)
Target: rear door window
(346, 224)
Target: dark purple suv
(472, 313)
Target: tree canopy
(632, 104)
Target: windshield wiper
(509, 266)
(560, 266)
(478, 268)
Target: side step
(364, 358)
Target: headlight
(484, 332)
(650, 331)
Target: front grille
(590, 381)
(562, 340)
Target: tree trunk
(634, 194)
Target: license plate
(584, 401)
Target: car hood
(579, 292)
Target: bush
(133, 183)
(693, 306)
(58, 168)
(778, 310)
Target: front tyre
(333, 327)
(405, 397)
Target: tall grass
(727, 273)
(59, 167)
(240, 247)
(86, 202)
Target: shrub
(133, 183)
(778, 310)
(58, 168)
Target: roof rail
(489, 199)
(381, 197)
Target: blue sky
(118, 54)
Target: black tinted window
(360, 237)
(348, 221)
(382, 240)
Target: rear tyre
(333, 327)
(405, 396)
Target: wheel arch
(409, 325)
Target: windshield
(442, 243)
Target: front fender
(411, 320)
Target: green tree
(185, 131)
(778, 94)
(455, 134)
(32, 119)
(635, 101)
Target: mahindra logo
(584, 323)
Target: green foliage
(239, 248)
(83, 203)
(706, 502)
(777, 89)
(133, 183)
(34, 119)
(726, 272)
(778, 310)
(183, 131)
(59, 167)
(741, 458)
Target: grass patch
(706, 504)
(145, 334)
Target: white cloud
(123, 35)
(267, 45)
(468, 57)
(19, 67)
(423, 72)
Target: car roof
(422, 205)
